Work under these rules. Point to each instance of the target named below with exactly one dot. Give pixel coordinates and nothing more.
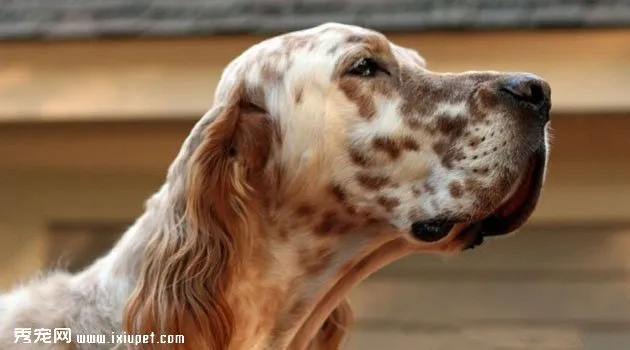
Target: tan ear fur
(188, 269)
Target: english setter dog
(327, 154)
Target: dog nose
(527, 88)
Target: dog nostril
(527, 88)
(537, 94)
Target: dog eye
(365, 67)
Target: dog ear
(192, 262)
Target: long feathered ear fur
(190, 264)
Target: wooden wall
(173, 79)
(548, 287)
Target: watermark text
(65, 335)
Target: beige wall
(549, 287)
(32, 201)
(171, 79)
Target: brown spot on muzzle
(394, 147)
(455, 189)
(359, 158)
(388, 203)
(372, 182)
(410, 144)
(423, 91)
(447, 153)
(487, 97)
(453, 127)
(388, 146)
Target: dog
(327, 154)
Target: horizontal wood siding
(546, 287)
(175, 79)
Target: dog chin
(510, 214)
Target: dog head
(365, 134)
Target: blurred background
(97, 95)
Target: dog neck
(295, 277)
(370, 259)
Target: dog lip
(515, 211)
(509, 216)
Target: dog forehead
(287, 61)
(335, 33)
(285, 58)
(329, 39)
